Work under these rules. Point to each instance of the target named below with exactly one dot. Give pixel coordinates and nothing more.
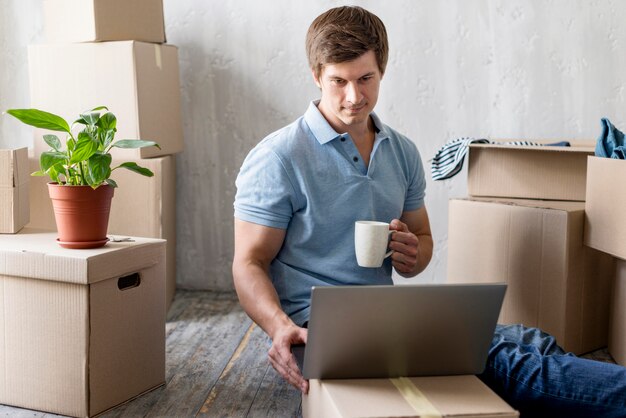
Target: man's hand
(283, 360)
(405, 246)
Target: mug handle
(390, 251)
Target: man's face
(349, 91)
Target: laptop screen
(404, 330)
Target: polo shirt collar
(325, 133)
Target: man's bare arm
(255, 248)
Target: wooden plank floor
(216, 366)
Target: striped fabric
(448, 161)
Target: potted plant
(81, 190)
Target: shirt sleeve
(417, 182)
(265, 193)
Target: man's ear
(316, 79)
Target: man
(301, 189)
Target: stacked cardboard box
(112, 53)
(80, 331)
(14, 199)
(523, 224)
(605, 230)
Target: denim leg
(535, 376)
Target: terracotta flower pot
(81, 214)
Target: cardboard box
(14, 200)
(137, 81)
(81, 331)
(617, 323)
(555, 283)
(528, 172)
(141, 207)
(442, 396)
(605, 226)
(103, 20)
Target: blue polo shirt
(311, 181)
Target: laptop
(403, 330)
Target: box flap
(35, 254)
(605, 228)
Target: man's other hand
(405, 246)
(283, 360)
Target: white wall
(501, 69)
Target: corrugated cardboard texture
(452, 396)
(79, 349)
(103, 20)
(138, 82)
(44, 326)
(529, 172)
(617, 327)
(141, 207)
(554, 281)
(605, 225)
(14, 196)
(127, 340)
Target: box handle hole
(128, 282)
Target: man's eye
(338, 81)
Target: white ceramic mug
(371, 243)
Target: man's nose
(353, 93)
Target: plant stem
(82, 173)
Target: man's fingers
(292, 376)
(285, 364)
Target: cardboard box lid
(605, 226)
(450, 396)
(35, 254)
(13, 167)
(532, 172)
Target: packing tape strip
(414, 397)
(157, 56)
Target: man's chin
(355, 119)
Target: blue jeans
(535, 376)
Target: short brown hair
(343, 34)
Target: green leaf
(136, 168)
(84, 149)
(53, 141)
(135, 143)
(54, 172)
(98, 168)
(71, 144)
(108, 137)
(50, 159)
(79, 120)
(38, 174)
(95, 109)
(111, 183)
(40, 119)
(108, 121)
(91, 118)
